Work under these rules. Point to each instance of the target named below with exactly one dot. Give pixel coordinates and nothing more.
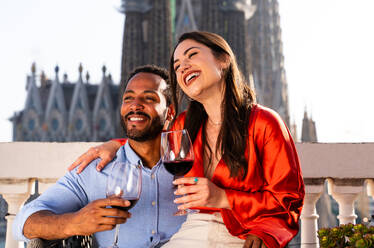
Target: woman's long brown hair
(236, 106)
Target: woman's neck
(213, 108)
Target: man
(76, 204)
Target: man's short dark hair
(162, 72)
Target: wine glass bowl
(177, 155)
(124, 181)
(177, 152)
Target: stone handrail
(346, 166)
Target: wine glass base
(186, 211)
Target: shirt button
(153, 176)
(153, 203)
(153, 231)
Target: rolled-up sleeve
(67, 195)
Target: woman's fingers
(191, 180)
(104, 161)
(85, 159)
(76, 162)
(252, 241)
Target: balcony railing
(348, 169)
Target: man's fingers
(105, 227)
(112, 220)
(111, 202)
(115, 212)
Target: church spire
(308, 131)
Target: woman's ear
(225, 62)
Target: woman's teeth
(191, 76)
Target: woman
(246, 174)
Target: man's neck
(148, 151)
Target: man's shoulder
(88, 170)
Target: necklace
(215, 123)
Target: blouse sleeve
(272, 210)
(122, 141)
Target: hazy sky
(328, 49)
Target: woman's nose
(184, 66)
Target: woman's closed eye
(192, 54)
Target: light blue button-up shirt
(152, 222)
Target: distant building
(68, 111)
(308, 131)
(80, 111)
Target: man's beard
(148, 133)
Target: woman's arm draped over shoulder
(106, 151)
(271, 211)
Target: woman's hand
(253, 241)
(106, 151)
(201, 192)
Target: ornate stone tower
(308, 132)
(32, 116)
(234, 30)
(55, 127)
(134, 35)
(267, 56)
(147, 34)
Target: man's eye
(150, 99)
(127, 98)
(176, 68)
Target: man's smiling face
(144, 106)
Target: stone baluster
(370, 187)
(345, 192)
(15, 192)
(309, 216)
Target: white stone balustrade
(346, 166)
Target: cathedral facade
(61, 110)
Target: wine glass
(177, 156)
(124, 181)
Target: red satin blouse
(268, 202)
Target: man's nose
(136, 105)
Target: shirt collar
(127, 153)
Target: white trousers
(204, 230)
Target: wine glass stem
(116, 237)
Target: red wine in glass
(178, 167)
(177, 156)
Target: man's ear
(170, 114)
